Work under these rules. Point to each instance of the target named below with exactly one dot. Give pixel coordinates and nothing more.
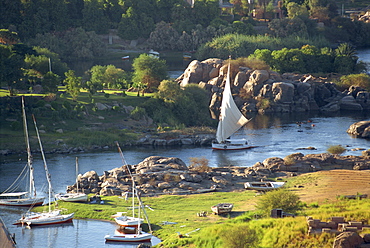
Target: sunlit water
(273, 136)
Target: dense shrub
(337, 149)
(362, 80)
(199, 164)
(286, 200)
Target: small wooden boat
(153, 53)
(263, 186)
(222, 208)
(186, 56)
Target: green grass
(76, 131)
(287, 232)
(182, 209)
(272, 233)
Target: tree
(50, 82)
(94, 79)
(164, 37)
(286, 200)
(115, 78)
(73, 84)
(346, 59)
(169, 91)
(7, 37)
(11, 64)
(138, 20)
(204, 11)
(73, 44)
(240, 27)
(288, 60)
(296, 10)
(286, 27)
(149, 70)
(94, 18)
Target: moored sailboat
(13, 197)
(52, 216)
(230, 121)
(130, 227)
(73, 197)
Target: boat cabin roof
(14, 194)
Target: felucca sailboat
(230, 121)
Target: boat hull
(231, 148)
(222, 208)
(45, 219)
(263, 186)
(142, 237)
(22, 202)
(126, 221)
(72, 197)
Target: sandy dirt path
(327, 185)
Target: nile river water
(274, 136)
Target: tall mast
(141, 206)
(77, 173)
(48, 177)
(31, 187)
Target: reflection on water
(80, 233)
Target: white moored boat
(121, 236)
(263, 186)
(128, 221)
(44, 218)
(130, 227)
(47, 218)
(230, 121)
(73, 197)
(13, 197)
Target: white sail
(231, 119)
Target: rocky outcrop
(162, 175)
(267, 91)
(360, 129)
(349, 240)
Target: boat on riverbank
(263, 186)
(222, 208)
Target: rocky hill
(268, 91)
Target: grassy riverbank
(218, 231)
(87, 128)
